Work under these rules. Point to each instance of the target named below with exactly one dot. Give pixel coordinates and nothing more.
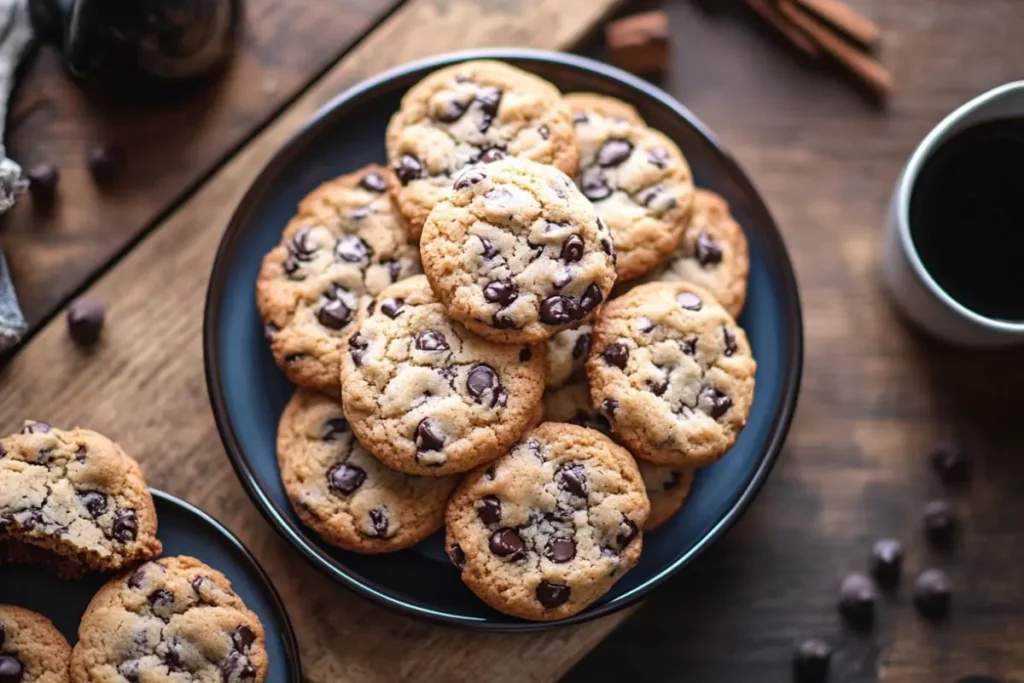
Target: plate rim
(290, 642)
(777, 253)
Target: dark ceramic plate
(248, 391)
(184, 530)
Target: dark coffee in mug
(967, 218)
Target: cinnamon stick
(845, 19)
(876, 77)
(790, 33)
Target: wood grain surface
(875, 396)
(169, 144)
(143, 385)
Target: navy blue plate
(248, 392)
(184, 530)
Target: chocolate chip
(658, 387)
(30, 518)
(430, 340)
(357, 349)
(3, 633)
(483, 384)
(558, 310)
(951, 463)
(236, 668)
(488, 250)
(392, 308)
(333, 427)
(490, 155)
(11, 670)
(457, 556)
(243, 638)
(609, 407)
(689, 346)
(334, 315)
(689, 301)
(591, 299)
(811, 660)
(675, 478)
(572, 248)
(489, 100)
(379, 521)
(94, 501)
(616, 354)
(933, 592)
(131, 670)
(614, 152)
(352, 249)
(730, 341)
(658, 157)
(451, 112)
(544, 132)
(360, 214)
(939, 522)
(707, 250)
(428, 436)
(581, 348)
(504, 321)
(489, 509)
(572, 477)
(36, 428)
(857, 596)
(551, 594)
(374, 182)
(628, 533)
(501, 292)
(489, 472)
(718, 403)
(299, 247)
(172, 657)
(345, 479)
(408, 168)
(607, 247)
(648, 195)
(135, 580)
(104, 162)
(560, 550)
(525, 354)
(42, 181)
(161, 602)
(126, 526)
(507, 543)
(80, 454)
(85, 321)
(887, 561)
(594, 186)
(579, 117)
(468, 179)
(394, 269)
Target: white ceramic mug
(912, 287)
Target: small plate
(184, 530)
(248, 392)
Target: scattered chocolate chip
(560, 550)
(932, 594)
(333, 428)
(507, 543)
(489, 100)
(457, 556)
(131, 670)
(649, 195)
(628, 533)
(374, 182)
(607, 247)
(161, 602)
(579, 117)
(504, 321)
(135, 580)
(237, 668)
(490, 155)
(939, 522)
(80, 454)
(689, 301)
(501, 292)
(357, 348)
(558, 310)
(609, 407)
(3, 633)
(31, 518)
(394, 269)
(392, 308)
(591, 299)
(857, 596)
(299, 247)
(689, 346)
(718, 404)
(675, 478)
(379, 521)
(572, 477)
(594, 186)
(243, 638)
(572, 248)
(489, 509)
(126, 526)
(359, 214)
(887, 561)
(658, 157)
(659, 386)
(408, 168)
(85, 318)
(707, 250)
(614, 152)
(431, 340)
(811, 660)
(468, 179)
(94, 501)
(451, 112)
(616, 354)
(352, 249)
(487, 248)
(42, 181)
(551, 594)
(951, 463)
(172, 657)
(730, 341)
(11, 670)
(104, 162)
(489, 472)
(581, 349)
(334, 315)
(483, 384)
(428, 436)
(544, 132)
(345, 479)
(525, 354)
(36, 428)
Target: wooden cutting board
(144, 386)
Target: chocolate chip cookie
(712, 255)
(516, 253)
(638, 180)
(672, 372)
(73, 501)
(586, 106)
(467, 114)
(345, 245)
(547, 529)
(175, 619)
(31, 649)
(571, 403)
(345, 494)
(567, 352)
(667, 489)
(427, 396)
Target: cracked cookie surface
(713, 254)
(672, 372)
(174, 620)
(550, 527)
(567, 352)
(31, 649)
(73, 501)
(516, 253)
(461, 115)
(426, 395)
(345, 494)
(345, 245)
(638, 180)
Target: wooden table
(876, 396)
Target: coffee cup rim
(908, 180)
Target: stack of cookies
(73, 502)
(509, 391)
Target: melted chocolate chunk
(94, 501)
(431, 340)
(352, 249)
(457, 556)
(572, 477)
(507, 543)
(408, 168)
(689, 301)
(609, 407)
(357, 349)
(126, 526)
(730, 341)
(334, 315)
(707, 251)
(489, 100)
(379, 521)
(581, 349)
(594, 186)
(345, 479)
(483, 385)
(591, 299)
(616, 354)
(451, 112)
(502, 292)
(525, 354)
(428, 436)
(487, 248)
(560, 550)
(374, 182)
(489, 509)
(490, 155)
(392, 308)
(559, 310)
(551, 594)
(658, 157)
(719, 402)
(572, 249)
(614, 152)
(628, 532)
(468, 179)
